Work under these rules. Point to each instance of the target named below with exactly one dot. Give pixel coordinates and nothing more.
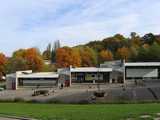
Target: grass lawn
(78, 112)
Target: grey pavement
(2, 118)
(78, 92)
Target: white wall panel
(142, 72)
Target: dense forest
(133, 49)
(118, 47)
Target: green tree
(47, 53)
(142, 54)
(154, 52)
(96, 45)
(56, 46)
(149, 38)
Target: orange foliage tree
(3, 61)
(88, 57)
(123, 53)
(27, 59)
(105, 55)
(34, 59)
(67, 56)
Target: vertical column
(110, 77)
(70, 78)
(70, 75)
(158, 72)
(16, 81)
(124, 74)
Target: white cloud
(26, 23)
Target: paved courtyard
(77, 93)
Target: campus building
(142, 71)
(113, 72)
(109, 72)
(27, 79)
(90, 75)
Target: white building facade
(142, 71)
(27, 79)
(109, 72)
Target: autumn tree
(123, 53)
(135, 40)
(67, 56)
(96, 45)
(105, 55)
(24, 59)
(133, 54)
(34, 59)
(115, 42)
(88, 57)
(3, 61)
(16, 64)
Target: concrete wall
(10, 81)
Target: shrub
(18, 100)
(33, 101)
(84, 102)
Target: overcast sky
(35, 23)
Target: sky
(35, 23)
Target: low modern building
(142, 71)
(90, 75)
(23, 79)
(109, 72)
(130, 71)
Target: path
(2, 118)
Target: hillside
(135, 48)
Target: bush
(84, 102)
(6, 100)
(55, 101)
(18, 100)
(33, 101)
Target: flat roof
(91, 69)
(142, 64)
(39, 75)
(13, 75)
